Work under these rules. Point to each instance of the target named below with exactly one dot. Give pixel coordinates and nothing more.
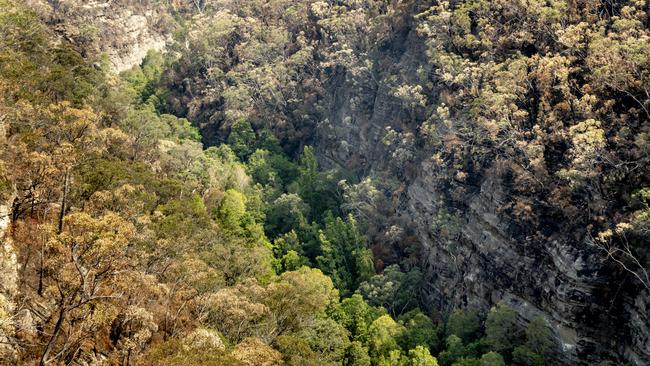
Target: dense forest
(348, 182)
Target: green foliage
(174, 353)
(300, 296)
(420, 331)
(236, 219)
(182, 218)
(539, 344)
(465, 324)
(344, 256)
(393, 289)
(357, 355)
(296, 351)
(492, 359)
(242, 139)
(317, 189)
(231, 213)
(454, 351)
(522, 355)
(162, 237)
(383, 335)
(180, 128)
(502, 331)
(420, 356)
(328, 340)
(284, 214)
(356, 316)
(291, 261)
(467, 361)
(539, 337)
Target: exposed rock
(589, 305)
(122, 31)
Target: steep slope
(596, 309)
(503, 143)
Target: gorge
(480, 164)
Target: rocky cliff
(124, 31)
(594, 309)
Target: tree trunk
(41, 270)
(55, 335)
(66, 183)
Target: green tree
(328, 340)
(539, 344)
(236, 220)
(383, 335)
(357, 355)
(344, 256)
(420, 356)
(317, 189)
(395, 290)
(502, 330)
(284, 214)
(356, 316)
(420, 331)
(242, 139)
(180, 128)
(465, 324)
(454, 351)
(492, 359)
(297, 298)
(539, 337)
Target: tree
(175, 352)
(144, 129)
(327, 339)
(356, 316)
(236, 220)
(254, 352)
(492, 359)
(180, 128)
(465, 324)
(539, 344)
(455, 350)
(318, 190)
(344, 254)
(237, 312)
(383, 335)
(420, 356)
(502, 330)
(287, 212)
(420, 331)
(242, 139)
(88, 269)
(539, 337)
(298, 297)
(357, 355)
(393, 289)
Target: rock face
(122, 30)
(595, 312)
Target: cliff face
(567, 281)
(122, 30)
